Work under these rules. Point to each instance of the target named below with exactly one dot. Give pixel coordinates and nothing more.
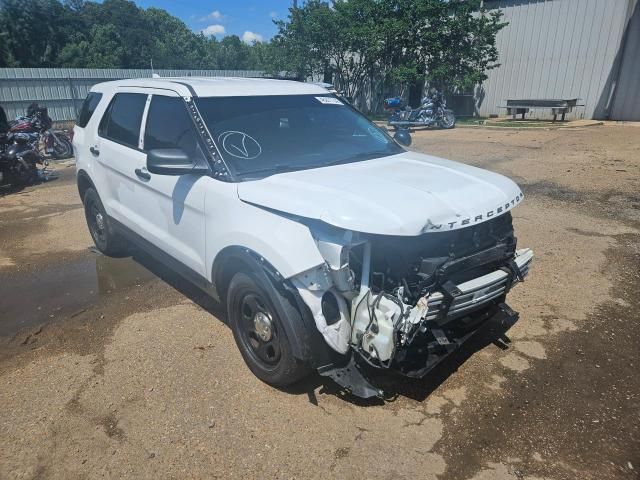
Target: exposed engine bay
(403, 302)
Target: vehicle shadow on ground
(11, 189)
(179, 283)
(393, 384)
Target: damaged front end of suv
(404, 303)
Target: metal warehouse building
(585, 49)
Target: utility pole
(295, 3)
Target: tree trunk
(415, 93)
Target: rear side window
(170, 126)
(88, 107)
(121, 122)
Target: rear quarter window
(88, 107)
(121, 121)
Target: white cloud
(215, 15)
(250, 37)
(273, 14)
(214, 30)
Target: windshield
(258, 136)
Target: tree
(173, 45)
(233, 53)
(114, 34)
(450, 43)
(261, 56)
(307, 40)
(6, 57)
(363, 45)
(30, 31)
(103, 49)
(133, 31)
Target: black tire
(24, 175)
(448, 120)
(104, 236)
(271, 360)
(62, 148)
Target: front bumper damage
(369, 327)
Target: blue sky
(249, 19)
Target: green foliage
(453, 44)
(28, 33)
(103, 49)
(112, 34)
(174, 45)
(450, 43)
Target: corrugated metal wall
(626, 94)
(63, 89)
(556, 49)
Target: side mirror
(402, 136)
(172, 161)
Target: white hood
(405, 194)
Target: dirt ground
(116, 368)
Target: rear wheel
(259, 332)
(104, 236)
(62, 147)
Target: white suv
(333, 247)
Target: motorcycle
(19, 162)
(37, 126)
(432, 112)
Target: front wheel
(259, 331)
(448, 119)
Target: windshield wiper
(282, 168)
(277, 168)
(354, 158)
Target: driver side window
(169, 126)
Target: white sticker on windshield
(329, 100)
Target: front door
(173, 206)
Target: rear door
(119, 155)
(84, 131)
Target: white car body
(195, 219)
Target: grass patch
(525, 123)
(471, 121)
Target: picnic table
(558, 106)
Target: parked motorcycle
(37, 126)
(19, 161)
(431, 113)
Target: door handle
(94, 151)
(143, 174)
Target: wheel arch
(303, 334)
(84, 183)
(234, 259)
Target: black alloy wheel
(259, 332)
